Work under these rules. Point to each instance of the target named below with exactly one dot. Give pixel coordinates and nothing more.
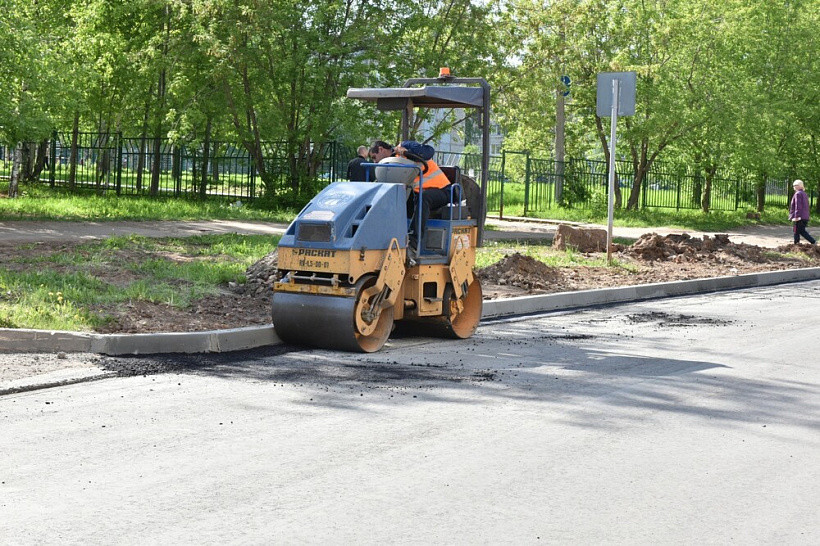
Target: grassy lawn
(62, 289)
(596, 213)
(39, 202)
(43, 203)
(69, 288)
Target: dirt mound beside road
(521, 271)
(685, 248)
(810, 251)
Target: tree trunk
(27, 162)
(206, 149)
(143, 138)
(706, 201)
(40, 161)
(640, 166)
(156, 162)
(156, 165)
(697, 182)
(249, 133)
(103, 165)
(16, 168)
(72, 158)
(760, 193)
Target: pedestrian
(799, 213)
(356, 172)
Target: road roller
(344, 276)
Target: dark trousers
(800, 229)
(431, 198)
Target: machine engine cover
(350, 216)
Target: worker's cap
(424, 151)
(797, 183)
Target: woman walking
(799, 213)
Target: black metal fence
(141, 166)
(522, 184)
(519, 183)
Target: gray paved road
(689, 420)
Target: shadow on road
(587, 381)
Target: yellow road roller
(344, 275)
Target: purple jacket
(799, 207)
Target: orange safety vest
(434, 178)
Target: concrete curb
(607, 296)
(211, 341)
(236, 339)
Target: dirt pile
(810, 251)
(687, 249)
(522, 272)
(259, 276)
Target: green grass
(39, 202)
(596, 213)
(683, 219)
(66, 289)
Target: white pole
(611, 207)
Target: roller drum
(325, 321)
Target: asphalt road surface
(687, 420)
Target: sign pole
(611, 203)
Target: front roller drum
(329, 322)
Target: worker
(435, 192)
(356, 172)
(378, 151)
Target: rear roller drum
(462, 324)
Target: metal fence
(518, 181)
(139, 166)
(529, 185)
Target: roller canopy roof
(396, 98)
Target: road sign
(566, 81)
(626, 101)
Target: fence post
(52, 174)
(644, 189)
(253, 178)
(501, 181)
(176, 167)
(526, 183)
(118, 140)
(334, 157)
(737, 194)
(678, 179)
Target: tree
(30, 63)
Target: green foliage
(719, 84)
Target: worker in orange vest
(434, 184)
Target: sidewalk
(512, 229)
(530, 228)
